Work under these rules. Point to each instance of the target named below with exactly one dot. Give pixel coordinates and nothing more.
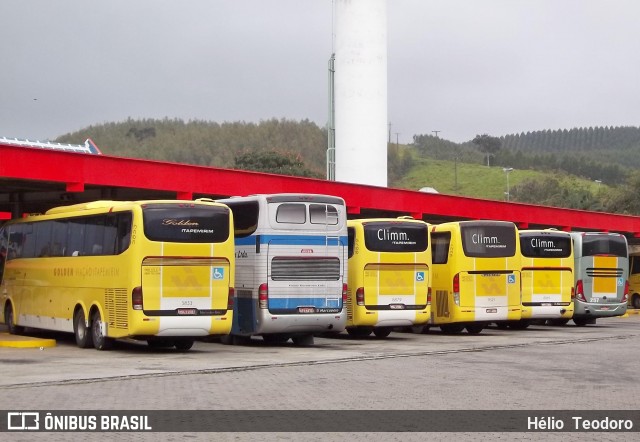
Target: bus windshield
(488, 240)
(545, 246)
(604, 245)
(395, 237)
(177, 223)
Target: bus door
(305, 276)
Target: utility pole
(436, 132)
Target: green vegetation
(586, 168)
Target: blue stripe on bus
(294, 303)
(306, 240)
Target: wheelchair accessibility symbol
(419, 276)
(511, 279)
(620, 282)
(218, 273)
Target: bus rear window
(604, 245)
(323, 214)
(395, 237)
(292, 213)
(198, 224)
(545, 246)
(488, 240)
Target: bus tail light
(429, 296)
(360, 296)
(456, 289)
(344, 293)
(136, 298)
(625, 296)
(579, 294)
(230, 300)
(263, 295)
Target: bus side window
(351, 231)
(635, 264)
(4, 250)
(440, 247)
(43, 232)
(124, 232)
(75, 240)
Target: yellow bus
(160, 271)
(547, 276)
(476, 275)
(389, 275)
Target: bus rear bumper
(587, 310)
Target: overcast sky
(462, 67)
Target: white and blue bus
(291, 267)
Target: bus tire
(303, 340)
(559, 322)
(275, 338)
(381, 332)
(10, 321)
(451, 329)
(359, 332)
(519, 325)
(227, 339)
(635, 300)
(183, 344)
(100, 341)
(81, 331)
(160, 343)
(580, 322)
(474, 329)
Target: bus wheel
(558, 322)
(580, 322)
(275, 339)
(303, 340)
(183, 344)
(81, 331)
(160, 343)
(519, 325)
(100, 341)
(451, 329)
(359, 332)
(227, 339)
(381, 332)
(635, 301)
(10, 321)
(474, 329)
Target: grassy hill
(480, 181)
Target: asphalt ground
(540, 368)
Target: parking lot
(540, 368)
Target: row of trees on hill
(209, 143)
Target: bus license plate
(492, 310)
(396, 306)
(306, 309)
(187, 311)
(604, 308)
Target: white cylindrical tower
(361, 91)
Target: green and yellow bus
(160, 271)
(547, 276)
(389, 275)
(476, 275)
